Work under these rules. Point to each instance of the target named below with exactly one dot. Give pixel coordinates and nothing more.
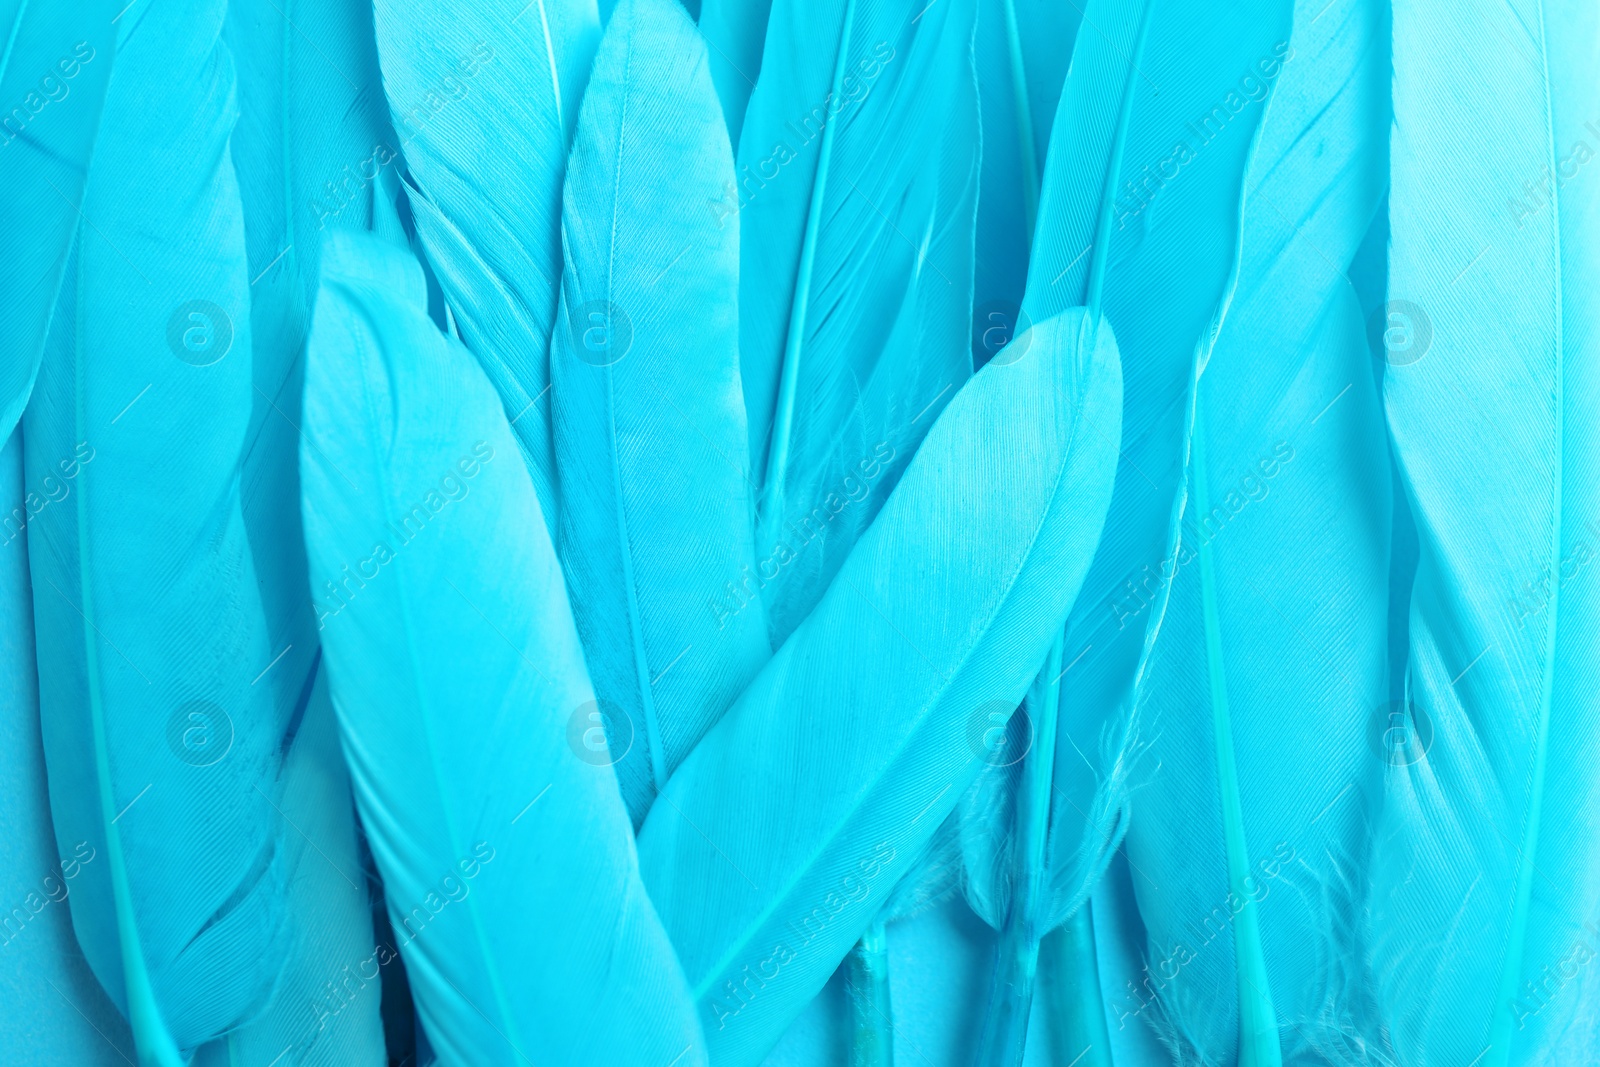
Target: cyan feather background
(650, 533)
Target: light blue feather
(324, 1010)
(1022, 49)
(736, 33)
(1290, 493)
(162, 752)
(1484, 869)
(484, 97)
(312, 148)
(314, 152)
(656, 538)
(1163, 272)
(856, 197)
(464, 706)
(56, 1013)
(779, 839)
(55, 62)
(1135, 222)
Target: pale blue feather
(163, 754)
(656, 538)
(1484, 869)
(782, 835)
(856, 198)
(484, 97)
(56, 1013)
(1291, 444)
(736, 33)
(55, 63)
(464, 706)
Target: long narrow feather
(55, 63)
(778, 840)
(1022, 48)
(1485, 867)
(485, 97)
(856, 196)
(1291, 494)
(1148, 242)
(162, 753)
(56, 1014)
(656, 539)
(465, 709)
(735, 32)
(314, 153)
(1162, 275)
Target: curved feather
(56, 1014)
(856, 197)
(162, 753)
(1291, 476)
(656, 539)
(484, 97)
(736, 33)
(853, 743)
(463, 703)
(55, 63)
(1484, 870)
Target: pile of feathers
(974, 533)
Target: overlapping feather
(463, 701)
(873, 710)
(856, 197)
(162, 752)
(1164, 266)
(484, 97)
(1287, 632)
(55, 63)
(736, 33)
(56, 1013)
(1484, 867)
(656, 538)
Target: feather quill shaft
(1258, 1025)
(871, 1010)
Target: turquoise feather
(56, 1013)
(1261, 698)
(315, 153)
(656, 538)
(736, 33)
(779, 839)
(162, 752)
(1022, 48)
(484, 97)
(55, 63)
(1159, 277)
(856, 197)
(463, 703)
(1484, 867)
(324, 1010)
